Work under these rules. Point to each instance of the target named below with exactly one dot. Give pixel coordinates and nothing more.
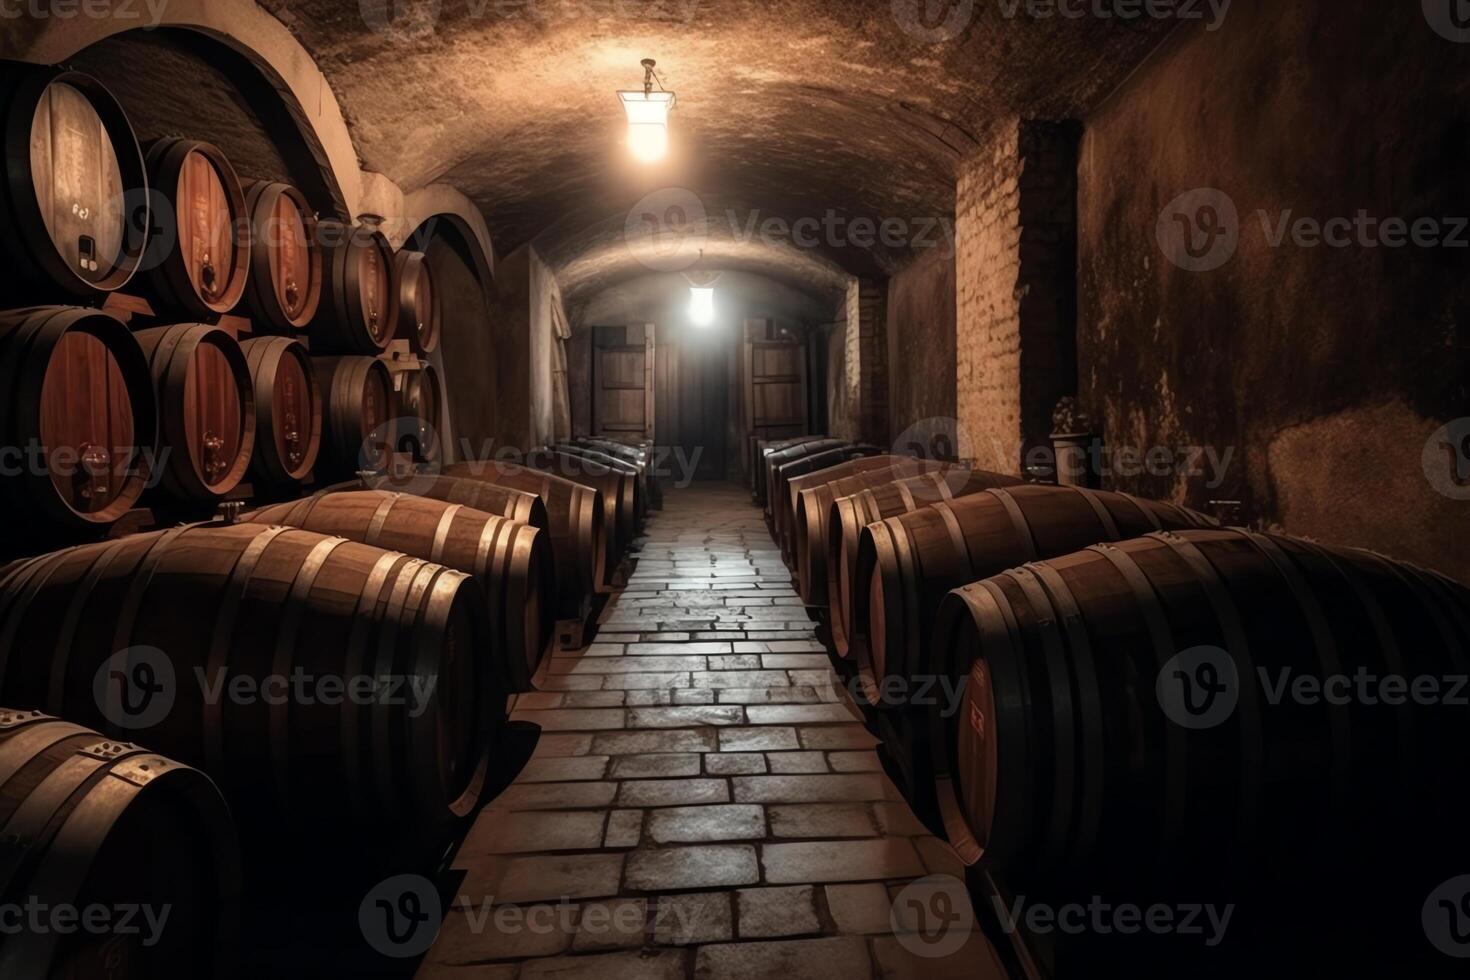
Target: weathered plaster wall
(1324, 370)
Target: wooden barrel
(761, 450)
(781, 457)
(640, 456)
(92, 821)
(206, 409)
(906, 564)
(624, 460)
(77, 406)
(420, 308)
(616, 491)
(578, 540)
(518, 505)
(359, 309)
(357, 407)
(814, 471)
(634, 486)
(814, 497)
(288, 411)
(848, 515)
(512, 561)
(1118, 718)
(71, 159)
(199, 262)
(421, 426)
(284, 290)
(339, 763)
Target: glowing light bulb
(648, 123)
(701, 306)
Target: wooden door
(705, 367)
(622, 382)
(774, 376)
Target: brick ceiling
(787, 110)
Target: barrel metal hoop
(128, 614)
(1018, 521)
(39, 817)
(380, 518)
(910, 505)
(1104, 516)
(1145, 509)
(365, 619)
(441, 533)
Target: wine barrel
(284, 289)
(288, 411)
(512, 561)
(517, 505)
(77, 406)
(781, 457)
(206, 409)
(359, 309)
(1093, 744)
(814, 471)
(421, 311)
(199, 260)
(578, 540)
(357, 407)
(421, 430)
(633, 462)
(92, 821)
(906, 564)
(640, 456)
(73, 171)
(381, 772)
(761, 450)
(616, 490)
(814, 497)
(849, 515)
(635, 500)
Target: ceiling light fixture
(648, 116)
(702, 305)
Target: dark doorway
(706, 360)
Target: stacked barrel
(1042, 665)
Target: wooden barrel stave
(198, 266)
(288, 411)
(284, 289)
(421, 432)
(575, 513)
(65, 222)
(357, 407)
(206, 407)
(106, 822)
(359, 309)
(517, 505)
(639, 456)
(779, 458)
(763, 449)
(619, 504)
(328, 774)
(512, 560)
(421, 309)
(53, 363)
(638, 489)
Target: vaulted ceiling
(829, 110)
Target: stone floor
(703, 801)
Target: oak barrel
(288, 411)
(421, 310)
(637, 471)
(206, 409)
(421, 425)
(199, 259)
(357, 409)
(815, 471)
(359, 308)
(77, 407)
(512, 561)
(90, 821)
(73, 175)
(518, 505)
(775, 459)
(848, 515)
(192, 640)
(814, 498)
(761, 450)
(284, 289)
(578, 540)
(906, 564)
(640, 456)
(1119, 717)
(619, 501)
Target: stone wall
(1324, 372)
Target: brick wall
(1015, 308)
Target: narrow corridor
(703, 800)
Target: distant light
(701, 306)
(648, 123)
